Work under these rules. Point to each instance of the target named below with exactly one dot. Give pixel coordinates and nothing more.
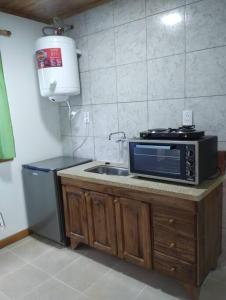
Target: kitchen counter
(194, 193)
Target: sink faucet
(123, 138)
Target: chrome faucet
(122, 139)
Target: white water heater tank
(57, 65)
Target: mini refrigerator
(43, 196)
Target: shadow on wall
(6, 171)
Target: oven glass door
(162, 160)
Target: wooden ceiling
(45, 10)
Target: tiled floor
(32, 269)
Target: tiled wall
(142, 63)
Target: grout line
(95, 282)
(137, 19)
(146, 65)
(35, 288)
(155, 100)
(153, 59)
(185, 57)
(120, 157)
(141, 291)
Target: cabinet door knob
(173, 269)
(171, 221)
(116, 201)
(172, 245)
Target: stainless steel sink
(109, 170)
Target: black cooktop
(181, 133)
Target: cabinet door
(75, 215)
(101, 220)
(133, 231)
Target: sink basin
(108, 170)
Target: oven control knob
(190, 173)
(189, 163)
(190, 153)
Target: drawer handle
(173, 269)
(171, 221)
(172, 245)
(116, 201)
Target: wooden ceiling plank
(45, 10)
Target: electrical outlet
(187, 118)
(86, 117)
(2, 222)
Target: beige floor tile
(9, 262)
(219, 274)
(52, 290)
(3, 297)
(101, 257)
(20, 282)
(150, 293)
(31, 249)
(83, 297)
(213, 290)
(153, 279)
(55, 260)
(20, 242)
(82, 273)
(115, 285)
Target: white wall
(35, 120)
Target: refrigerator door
(42, 203)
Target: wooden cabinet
(75, 215)
(133, 231)
(152, 231)
(101, 221)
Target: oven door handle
(161, 147)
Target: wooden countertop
(194, 193)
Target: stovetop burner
(181, 133)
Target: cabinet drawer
(174, 220)
(174, 267)
(175, 245)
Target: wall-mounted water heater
(57, 66)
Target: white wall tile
(132, 82)
(209, 114)
(84, 98)
(132, 118)
(191, 1)
(83, 60)
(157, 6)
(130, 42)
(78, 126)
(105, 150)
(206, 72)
(123, 153)
(165, 113)
(163, 38)
(105, 45)
(105, 119)
(79, 22)
(128, 10)
(103, 86)
(205, 24)
(66, 145)
(101, 49)
(99, 18)
(65, 126)
(83, 147)
(166, 77)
